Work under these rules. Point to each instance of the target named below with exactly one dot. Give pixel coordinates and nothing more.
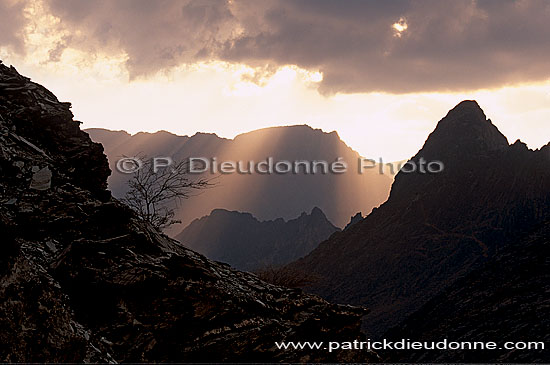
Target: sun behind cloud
(400, 27)
(264, 64)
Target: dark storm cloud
(155, 34)
(12, 23)
(448, 45)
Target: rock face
(507, 299)
(246, 243)
(436, 227)
(267, 197)
(355, 219)
(81, 279)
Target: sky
(380, 73)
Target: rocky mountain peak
(464, 132)
(467, 109)
(460, 140)
(358, 217)
(435, 227)
(318, 213)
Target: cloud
(12, 23)
(438, 45)
(446, 46)
(155, 34)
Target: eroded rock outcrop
(81, 279)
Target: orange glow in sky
(232, 98)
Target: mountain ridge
(246, 243)
(434, 228)
(269, 196)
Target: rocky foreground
(81, 279)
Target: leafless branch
(154, 194)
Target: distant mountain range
(84, 280)
(267, 197)
(246, 243)
(437, 227)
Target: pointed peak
(520, 145)
(468, 107)
(467, 112)
(316, 211)
(355, 219)
(466, 131)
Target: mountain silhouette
(269, 196)
(436, 227)
(246, 243)
(355, 219)
(82, 279)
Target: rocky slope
(267, 197)
(81, 279)
(436, 227)
(246, 243)
(355, 219)
(507, 299)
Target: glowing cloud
(400, 26)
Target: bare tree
(154, 192)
